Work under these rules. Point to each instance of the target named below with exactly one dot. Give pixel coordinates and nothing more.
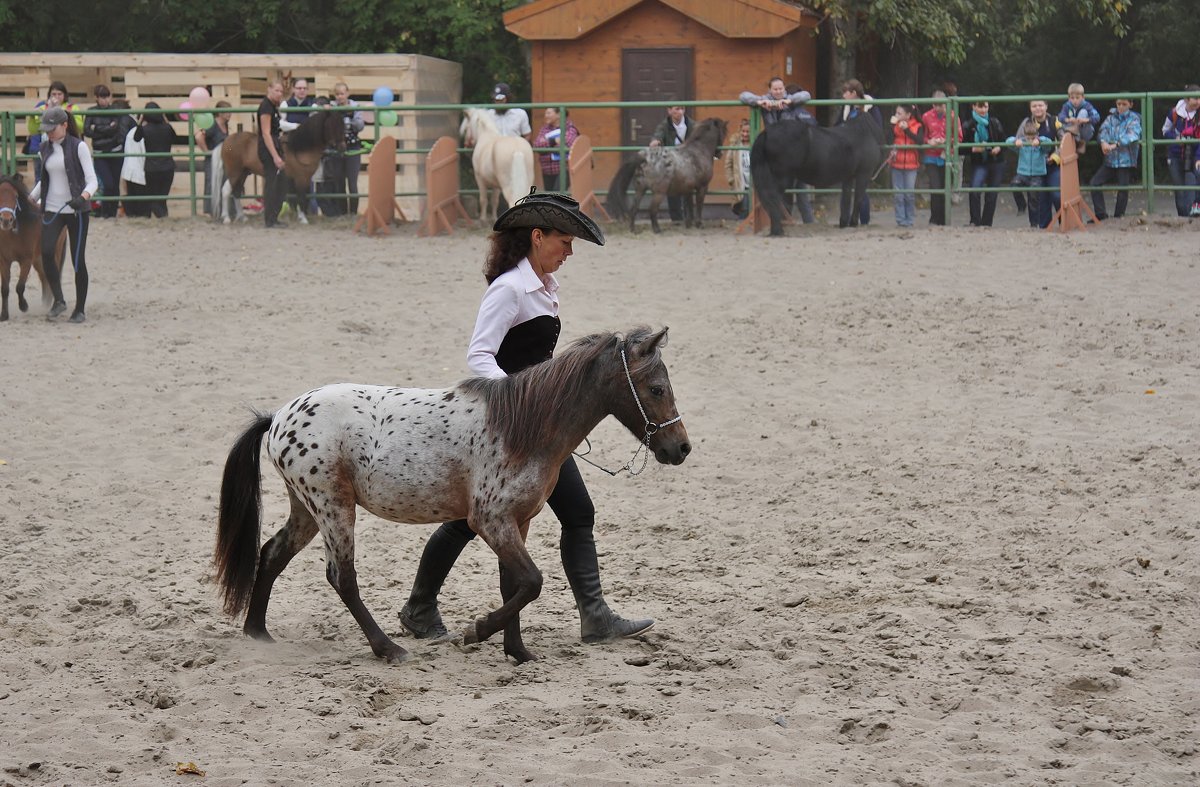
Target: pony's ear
(654, 343)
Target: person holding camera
(64, 193)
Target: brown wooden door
(652, 75)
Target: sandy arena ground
(938, 529)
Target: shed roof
(544, 20)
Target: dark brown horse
(21, 242)
(677, 170)
(302, 151)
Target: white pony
(502, 164)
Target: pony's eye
(657, 390)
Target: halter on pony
(651, 428)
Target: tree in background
(961, 34)
(470, 32)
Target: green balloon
(388, 118)
(203, 120)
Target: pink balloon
(184, 105)
(199, 97)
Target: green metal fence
(11, 156)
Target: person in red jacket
(938, 126)
(908, 134)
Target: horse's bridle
(13, 212)
(651, 428)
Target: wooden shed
(650, 50)
(242, 80)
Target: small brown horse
(302, 151)
(676, 170)
(21, 242)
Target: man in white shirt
(510, 121)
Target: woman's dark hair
(508, 247)
(56, 85)
(153, 118)
(101, 91)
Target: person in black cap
(64, 195)
(510, 121)
(517, 327)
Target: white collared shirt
(680, 131)
(516, 296)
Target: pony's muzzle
(673, 452)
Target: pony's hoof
(258, 633)
(226, 220)
(393, 653)
(23, 305)
(4, 317)
(302, 218)
(471, 633)
(521, 655)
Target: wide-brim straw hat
(550, 210)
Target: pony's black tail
(615, 201)
(236, 556)
(764, 181)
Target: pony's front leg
(655, 200)
(4, 292)
(22, 277)
(520, 583)
(699, 196)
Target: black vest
(70, 148)
(530, 342)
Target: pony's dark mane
(26, 210)
(312, 133)
(526, 407)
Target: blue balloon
(383, 96)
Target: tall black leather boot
(420, 615)
(597, 623)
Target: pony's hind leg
(338, 530)
(272, 560)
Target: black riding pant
(274, 187)
(77, 231)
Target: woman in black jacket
(158, 135)
(982, 131)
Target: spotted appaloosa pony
(21, 242)
(675, 170)
(488, 450)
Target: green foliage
(949, 31)
(470, 32)
(1156, 53)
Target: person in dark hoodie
(158, 136)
